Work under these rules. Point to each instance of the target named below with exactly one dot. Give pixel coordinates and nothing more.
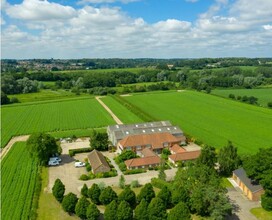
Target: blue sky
(135, 28)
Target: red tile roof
(156, 140)
(189, 155)
(177, 149)
(143, 161)
(146, 152)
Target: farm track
(118, 121)
(12, 141)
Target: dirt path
(118, 121)
(12, 141)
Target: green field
(133, 70)
(19, 173)
(264, 95)
(211, 119)
(45, 94)
(52, 116)
(121, 111)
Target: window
(138, 147)
(128, 148)
(165, 144)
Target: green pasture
(19, 177)
(211, 119)
(121, 111)
(264, 95)
(52, 116)
(133, 70)
(45, 94)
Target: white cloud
(172, 25)
(192, 1)
(40, 10)
(105, 1)
(267, 27)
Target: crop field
(264, 95)
(19, 173)
(52, 116)
(211, 119)
(133, 70)
(121, 111)
(45, 94)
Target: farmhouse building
(98, 162)
(184, 156)
(154, 141)
(252, 189)
(149, 159)
(118, 132)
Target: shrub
(88, 167)
(69, 203)
(135, 184)
(84, 177)
(267, 202)
(73, 152)
(269, 104)
(156, 182)
(231, 96)
(58, 190)
(129, 172)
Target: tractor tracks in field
(116, 119)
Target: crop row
(19, 174)
(84, 113)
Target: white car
(55, 159)
(53, 163)
(79, 164)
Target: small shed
(251, 188)
(98, 162)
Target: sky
(74, 29)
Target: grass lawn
(52, 116)
(211, 119)
(133, 70)
(46, 94)
(49, 207)
(225, 183)
(261, 214)
(121, 111)
(264, 95)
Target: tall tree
(165, 196)
(207, 156)
(42, 146)
(111, 211)
(122, 182)
(180, 211)
(92, 212)
(228, 159)
(129, 196)
(58, 190)
(69, 203)
(81, 207)
(84, 190)
(99, 141)
(94, 193)
(141, 212)
(107, 195)
(157, 210)
(124, 211)
(4, 98)
(146, 193)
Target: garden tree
(266, 201)
(99, 141)
(162, 174)
(81, 207)
(94, 193)
(69, 203)
(84, 190)
(107, 195)
(122, 182)
(180, 211)
(58, 190)
(146, 193)
(42, 146)
(111, 211)
(180, 194)
(165, 196)
(129, 196)
(207, 156)
(4, 98)
(92, 212)
(157, 210)
(126, 155)
(228, 159)
(269, 104)
(124, 211)
(140, 212)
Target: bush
(156, 182)
(84, 177)
(69, 203)
(269, 104)
(231, 96)
(73, 152)
(122, 166)
(14, 100)
(58, 190)
(129, 172)
(135, 184)
(267, 202)
(88, 167)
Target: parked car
(53, 163)
(79, 164)
(55, 159)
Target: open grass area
(49, 207)
(264, 95)
(261, 214)
(211, 119)
(52, 116)
(19, 177)
(46, 94)
(133, 70)
(121, 111)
